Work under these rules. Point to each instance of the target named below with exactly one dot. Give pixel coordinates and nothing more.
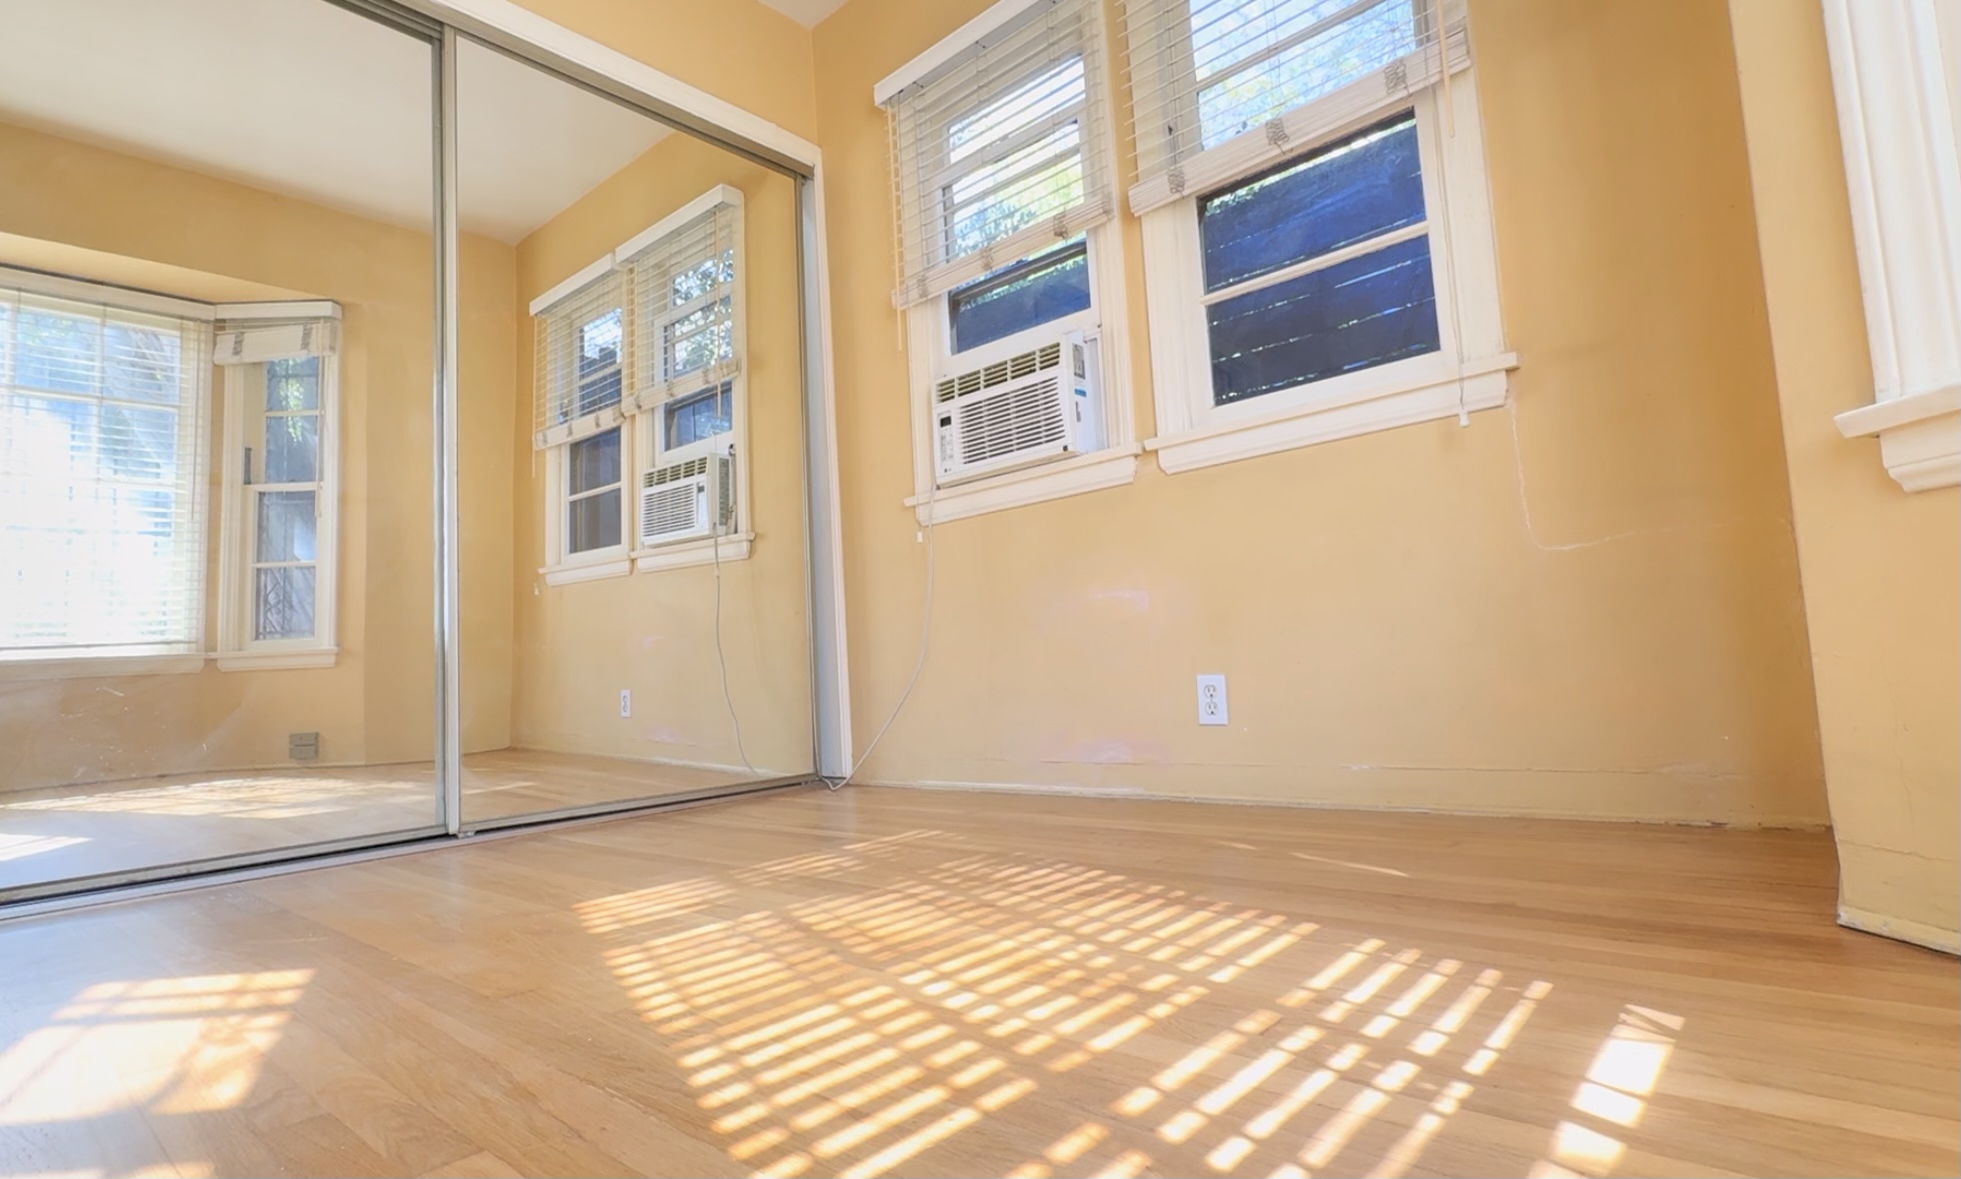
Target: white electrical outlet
(1212, 700)
(626, 702)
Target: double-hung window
(1009, 277)
(281, 489)
(639, 389)
(1318, 250)
(103, 413)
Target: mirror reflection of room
(215, 434)
(649, 556)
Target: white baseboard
(1947, 941)
(1771, 823)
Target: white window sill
(290, 660)
(1111, 467)
(1482, 385)
(92, 666)
(705, 550)
(590, 571)
(1919, 436)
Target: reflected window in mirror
(281, 501)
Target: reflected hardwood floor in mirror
(890, 982)
(64, 832)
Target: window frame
(237, 648)
(642, 410)
(1467, 372)
(193, 430)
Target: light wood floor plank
(885, 982)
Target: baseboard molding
(1768, 823)
(1947, 941)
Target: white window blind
(578, 364)
(1223, 88)
(102, 425)
(255, 342)
(1001, 150)
(682, 295)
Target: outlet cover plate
(1212, 700)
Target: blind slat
(102, 422)
(1221, 89)
(1002, 150)
(682, 289)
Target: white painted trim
(595, 571)
(591, 271)
(92, 666)
(949, 48)
(1111, 467)
(715, 197)
(271, 660)
(1947, 941)
(555, 40)
(280, 309)
(1894, 87)
(700, 551)
(1393, 406)
(79, 290)
(1919, 436)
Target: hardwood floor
(60, 833)
(887, 982)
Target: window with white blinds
(1224, 88)
(1001, 149)
(579, 361)
(102, 478)
(681, 287)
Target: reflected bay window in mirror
(1001, 151)
(1316, 221)
(281, 502)
(685, 277)
(103, 410)
(580, 344)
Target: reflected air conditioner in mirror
(1040, 404)
(689, 499)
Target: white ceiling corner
(806, 12)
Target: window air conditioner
(1038, 405)
(684, 500)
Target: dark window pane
(56, 352)
(286, 526)
(595, 461)
(139, 443)
(285, 603)
(599, 363)
(293, 383)
(293, 448)
(1353, 315)
(141, 363)
(1349, 192)
(594, 521)
(700, 416)
(1020, 297)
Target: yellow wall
(374, 705)
(1882, 568)
(741, 51)
(1398, 629)
(654, 633)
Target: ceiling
(306, 99)
(806, 12)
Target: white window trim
(1894, 72)
(147, 659)
(237, 651)
(640, 425)
(1469, 372)
(929, 358)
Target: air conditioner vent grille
(674, 472)
(999, 373)
(669, 510)
(1012, 422)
